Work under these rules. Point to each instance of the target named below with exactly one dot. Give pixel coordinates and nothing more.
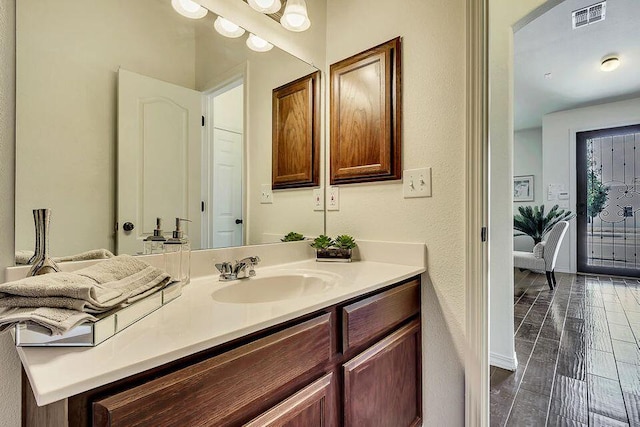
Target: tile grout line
(527, 313)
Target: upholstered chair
(544, 255)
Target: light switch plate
(333, 199)
(266, 195)
(416, 183)
(318, 200)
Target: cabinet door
(310, 407)
(382, 385)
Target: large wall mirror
(102, 140)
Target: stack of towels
(61, 301)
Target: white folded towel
(95, 289)
(23, 256)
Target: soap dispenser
(177, 255)
(154, 244)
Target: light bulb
(295, 19)
(258, 44)
(227, 28)
(265, 6)
(295, 16)
(189, 8)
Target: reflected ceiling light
(265, 6)
(258, 44)
(189, 8)
(295, 16)
(610, 63)
(227, 28)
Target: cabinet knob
(238, 221)
(128, 226)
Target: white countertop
(192, 323)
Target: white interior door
(227, 189)
(159, 134)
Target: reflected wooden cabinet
(296, 134)
(357, 363)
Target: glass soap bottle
(177, 255)
(154, 244)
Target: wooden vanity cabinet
(357, 363)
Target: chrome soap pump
(177, 255)
(154, 244)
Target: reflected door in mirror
(159, 126)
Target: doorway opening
(223, 165)
(608, 184)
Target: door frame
(581, 185)
(234, 79)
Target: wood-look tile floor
(578, 350)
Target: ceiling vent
(589, 15)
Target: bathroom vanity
(347, 353)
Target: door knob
(238, 221)
(128, 226)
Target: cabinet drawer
(227, 388)
(310, 407)
(370, 318)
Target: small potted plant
(292, 237)
(339, 249)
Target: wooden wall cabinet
(357, 363)
(366, 116)
(296, 134)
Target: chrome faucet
(242, 269)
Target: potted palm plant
(533, 222)
(328, 249)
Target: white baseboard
(500, 361)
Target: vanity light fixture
(609, 63)
(265, 6)
(189, 8)
(258, 44)
(227, 28)
(295, 16)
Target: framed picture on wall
(523, 188)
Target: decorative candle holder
(42, 264)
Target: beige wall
(503, 14)
(433, 136)
(9, 362)
(67, 62)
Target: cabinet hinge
(202, 206)
(202, 120)
(484, 234)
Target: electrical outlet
(333, 199)
(266, 195)
(318, 200)
(416, 183)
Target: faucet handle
(224, 267)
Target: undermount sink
(276, 286)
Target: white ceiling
(549, 44)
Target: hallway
(578, 354)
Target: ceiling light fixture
(610, 63)
(189, 8)
(258, 44)
(227, 28)
(295, 16)
(265, 6)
